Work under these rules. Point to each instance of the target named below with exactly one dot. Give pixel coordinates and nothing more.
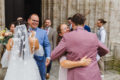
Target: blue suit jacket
(86, 27)
(42, 37)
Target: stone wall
(59, 10)
(2, 14)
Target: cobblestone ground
(2, 73)
(109, 75)
(112, 75)
(54, 71)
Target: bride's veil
(21, 45)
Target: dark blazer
(52, 36)
(86, 27)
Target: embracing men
(42, 37)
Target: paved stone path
(109, 74)
(112, 75)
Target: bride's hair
(21, 22)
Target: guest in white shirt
(101, 33)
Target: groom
(41, 35)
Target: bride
(19, 56)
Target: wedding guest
(41, 35)
(101, 34)
(9, 34)
(11, 31)
(52, 38)
(70, 23)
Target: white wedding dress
(19, 69)
(20, 62)
(62, 71)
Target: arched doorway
(32, 6)
(23, 8)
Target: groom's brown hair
(78, 19)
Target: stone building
(59, 10)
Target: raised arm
(59, 50)
(34, 44)
(9, 44)
(72, 64)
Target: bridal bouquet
(2, 35)
(5, 36)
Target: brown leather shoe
(47, 76)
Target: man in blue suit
(86, 27)
(41, 35)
